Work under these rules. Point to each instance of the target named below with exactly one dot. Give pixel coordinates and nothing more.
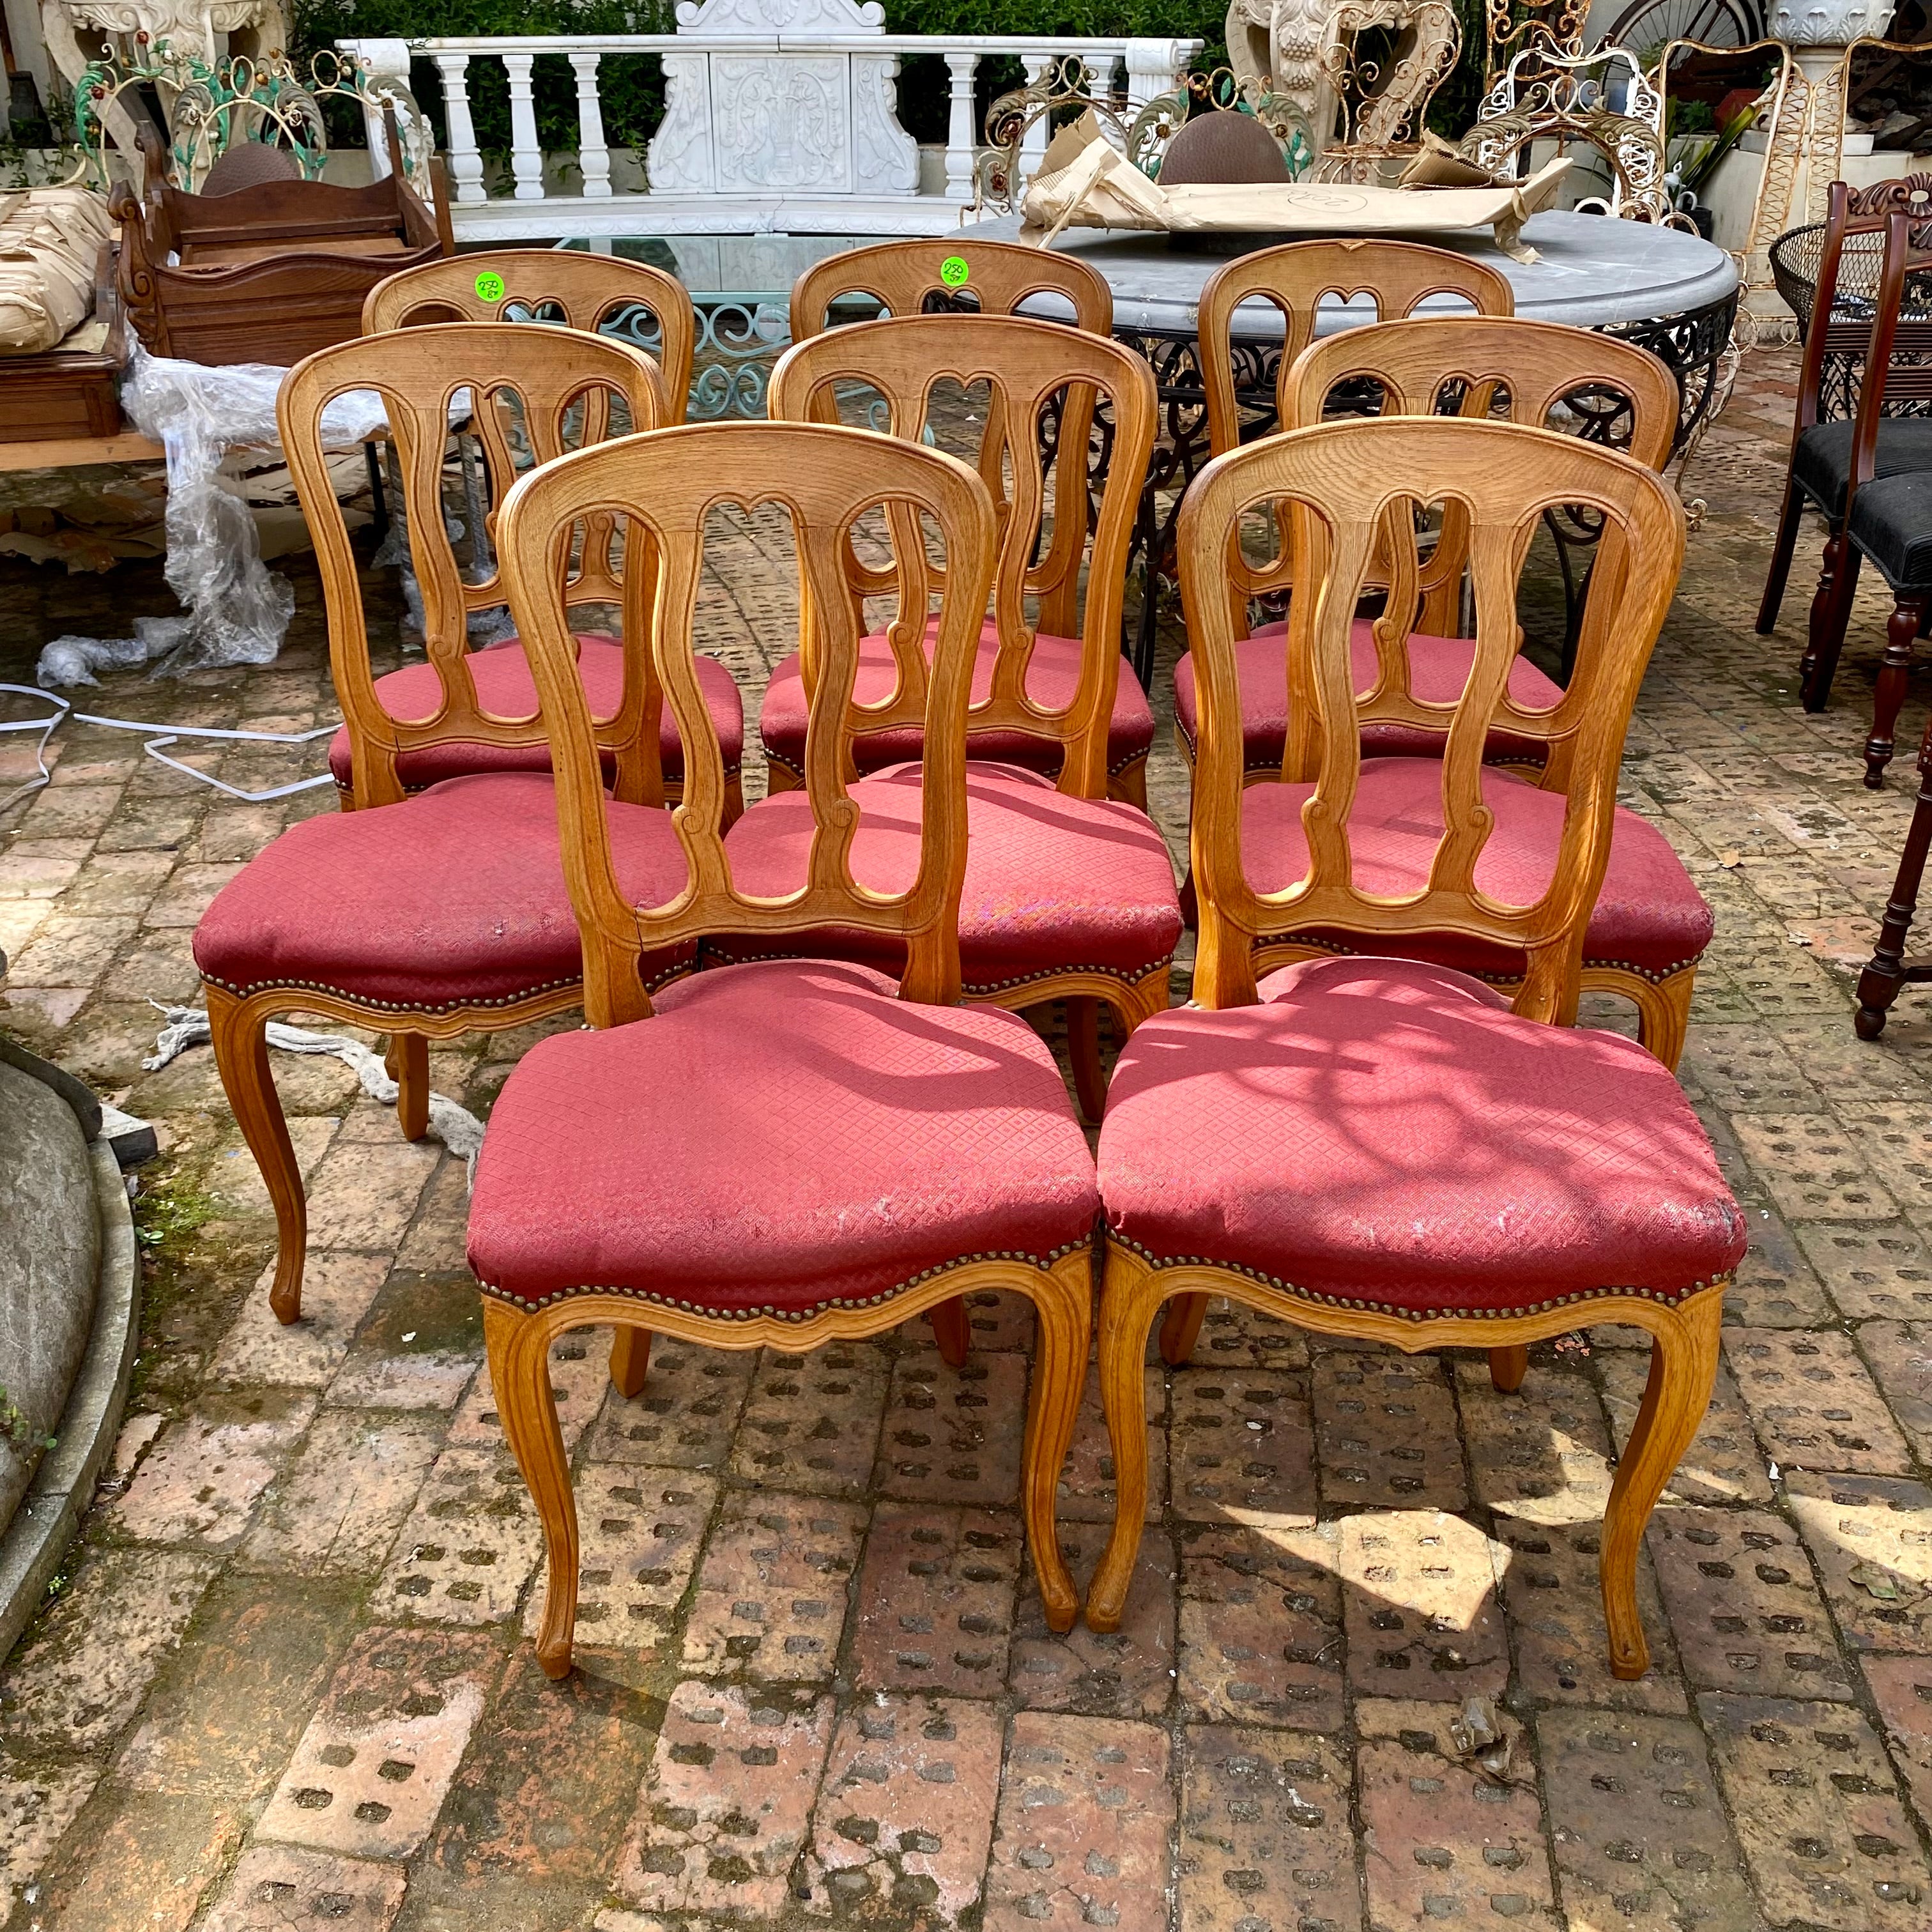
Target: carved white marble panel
(885, 158)
(832, 18)
(680, 151)
(781, 121)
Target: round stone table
(1591, 271)
(1673, 293)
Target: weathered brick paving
(286, 1682)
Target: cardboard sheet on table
(1084, 182)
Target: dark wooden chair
(1889, 517)
(1838, 329)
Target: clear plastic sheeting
(236, 611)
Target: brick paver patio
(286, 1682)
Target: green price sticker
(953, 271)
(490, 287)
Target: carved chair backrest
(1848, 299)
(531, 394)
(554, 285)
(1038, 375)
(1898, 360)
(666, 486)
(1361, 480)
(1419, 366)
(1296, 278)
(1542, 95)
(906, 275)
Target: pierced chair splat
(1069, 894)
(784, 1152)
(1650, 925)
(444, 911)
(598, 294)
(1378, 1146)
(908, 278)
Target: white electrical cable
(45, 726)
(458, 1129)
(172, 733)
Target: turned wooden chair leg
(950, 1329)
(1779, 573)
(1181, 1328)
(1683, 1366)
(1063, 1299)
(1901, 634)
(1083, 1050)
(630, 1360)
(1831, 613)
(407, 1061)
(1508, 1367)
(1130, 1293)
(518, 1347)
(1879, 984)
(240, 1038)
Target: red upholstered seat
(454, 897)
(1388, 1133)
(506, 689)
(1051, 882)
(1438, 668)
(778, 1135)
(1649, 916)
(1050, 679)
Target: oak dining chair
(789, 1151)
(918, 276)
(1069, 894)
(1650, 925)
(440, 909)
(1383, 1148)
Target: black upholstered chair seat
(1822, 463)
(1891, 523)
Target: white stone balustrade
(780, 116)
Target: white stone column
(465, 163)
(1153, 67)
(962, 133)
(592, 156)
(1033, 144)
(386, 63)
(526, 156)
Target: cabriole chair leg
(1683, 1367)
(239, 1034)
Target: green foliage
(167, 1215)
(630, 86)
(16, 1428)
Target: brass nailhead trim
(1418, 1315)
(1336, 951)
(1130, 977)
(766, 1309)
(1114, 770)
(651, 985)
